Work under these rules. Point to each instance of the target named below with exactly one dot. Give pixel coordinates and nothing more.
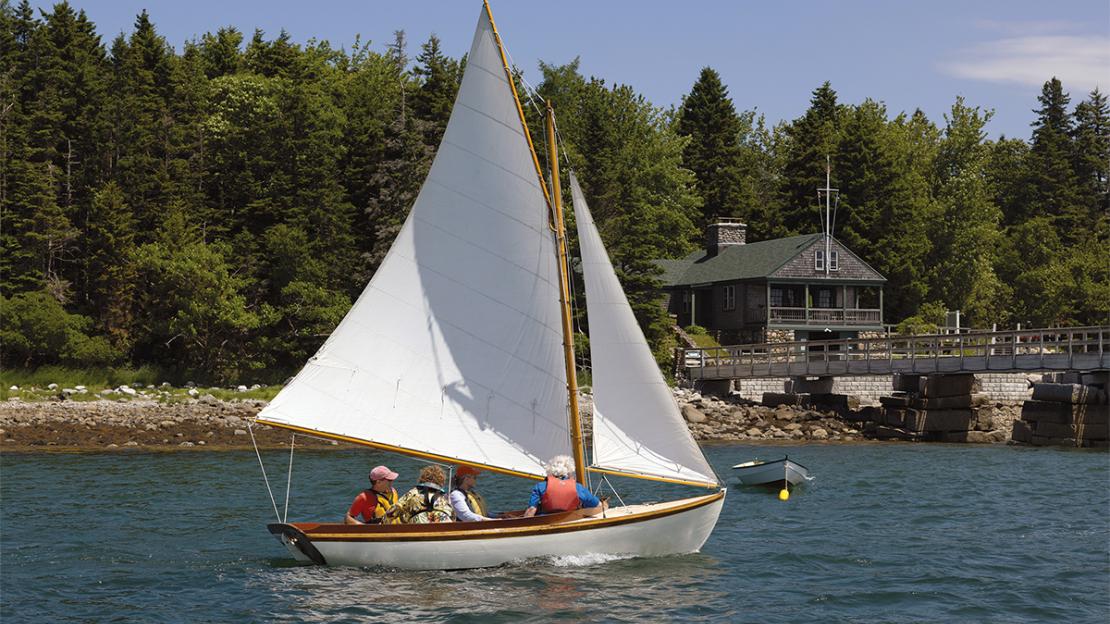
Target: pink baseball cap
(381, 472)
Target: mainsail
(454, 349)
(637, 427)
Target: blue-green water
(886, 533)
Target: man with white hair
(560, 491)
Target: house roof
(735, 262)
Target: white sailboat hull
(771, 472)
(652, 530)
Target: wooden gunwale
(450, 531)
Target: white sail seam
(530, 180)
(479, 202)
(401, 434)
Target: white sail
(637, 427)
(455, 347)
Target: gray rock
(131, 443)
(113, 446)
(258, 387)
(126, 390)
(240, 432)
(819, 434)
(52, 386)
(241, 389)
(14, 388)
(754, 432)
(693, 414)
(208, 399)
(186, 444)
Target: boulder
(819, 434)
(693, 414)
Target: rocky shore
(205, 422)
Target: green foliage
(713, 151)
(695, 330)
(215, 210)
(37, 330)
(928, 320)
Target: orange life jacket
(561, 495)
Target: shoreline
(211, 424)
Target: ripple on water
(893, 533)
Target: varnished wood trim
(469, 530)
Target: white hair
(560, 466)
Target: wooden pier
(1025, 350)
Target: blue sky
(995, 53)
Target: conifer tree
(1091, 140)
(882, 209)
(439, 78)
(709, 119)
(810, 139)
(1053, 190)
(221, 53)
(109, 263)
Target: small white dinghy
(775, 472)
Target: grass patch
(93, 377)
(704, 341)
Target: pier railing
(1074, 348)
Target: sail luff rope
(273, 501)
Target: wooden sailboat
(460, 350)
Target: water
(886, 533)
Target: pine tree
(109, 261)
(143, 90)
(881, 213)
(1091, 140)
(439, 78)
(709, 119)
(811, 139)
(1054, 191)
(221, 52)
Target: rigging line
(277, 516)
(289, 478)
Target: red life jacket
(561, 495)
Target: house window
(834, 260)
(730, 297)
(819, 260)
(776, 297)
(686, 301)
(824, 298)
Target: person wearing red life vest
(372, 504)
(561, 492)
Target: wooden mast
(564, 297)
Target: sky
(772, 55)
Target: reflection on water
(573, 588)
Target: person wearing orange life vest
(372, 504)
(560, 492)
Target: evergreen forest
(214, 211)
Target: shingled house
(775, 290)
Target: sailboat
(460, 351)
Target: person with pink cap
(372, 504)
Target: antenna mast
(827, 221)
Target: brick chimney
(726, 231)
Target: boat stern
(299, 545)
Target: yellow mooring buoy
(784, 494)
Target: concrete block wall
(1008, 387)
(1000, 387)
